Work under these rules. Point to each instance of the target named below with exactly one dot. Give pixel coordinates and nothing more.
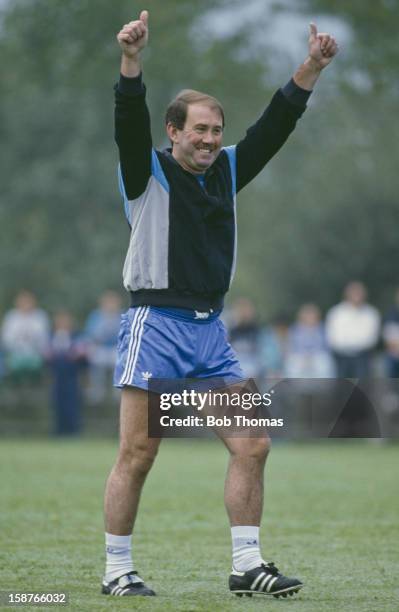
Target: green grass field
(331, 518)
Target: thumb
(312, 31)
(144, 17)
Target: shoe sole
(282, 593)
(104, 591)
(128, 595)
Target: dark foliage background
(323, 212)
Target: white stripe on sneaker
(257, 579)
(269, 586)
(264, 583)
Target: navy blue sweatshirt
(183, 243)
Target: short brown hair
(176, 113)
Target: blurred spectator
(66, 356)
(273, 346)
(390, 334)
(101, 331)
(245, 335)
(352, 329)
(24, 335)
(307, 352)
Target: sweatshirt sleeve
(133, 135)
(269, 133)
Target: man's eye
(200, 129)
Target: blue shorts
(173, 343)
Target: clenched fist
(133, 37)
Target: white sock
(118, 556)
(246, 551)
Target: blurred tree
(64, 230)
(331, 196)
(323, 211)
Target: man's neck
(187, 168)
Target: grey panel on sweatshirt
(146, 263)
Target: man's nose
(208, 137)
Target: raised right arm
(132, 120)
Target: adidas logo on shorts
(201, 315)
(146, 375)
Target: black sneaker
(263, 580)
(129, 584)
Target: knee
(260, 448)
(138, 457)
(252, 448)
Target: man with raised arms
(181, 207)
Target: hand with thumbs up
(322, 47)
(133, 37)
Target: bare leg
(244, 502)
(135, 458)
(243, 493)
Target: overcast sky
(286, 29)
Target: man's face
(355, 293)
(198, 144)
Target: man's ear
(172, 132)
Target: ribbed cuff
(131, 86)
(295, 94)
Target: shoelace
(271, 568)
(133, 582)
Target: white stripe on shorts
(136, 332)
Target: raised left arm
(270, 132)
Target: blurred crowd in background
(353, 340)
